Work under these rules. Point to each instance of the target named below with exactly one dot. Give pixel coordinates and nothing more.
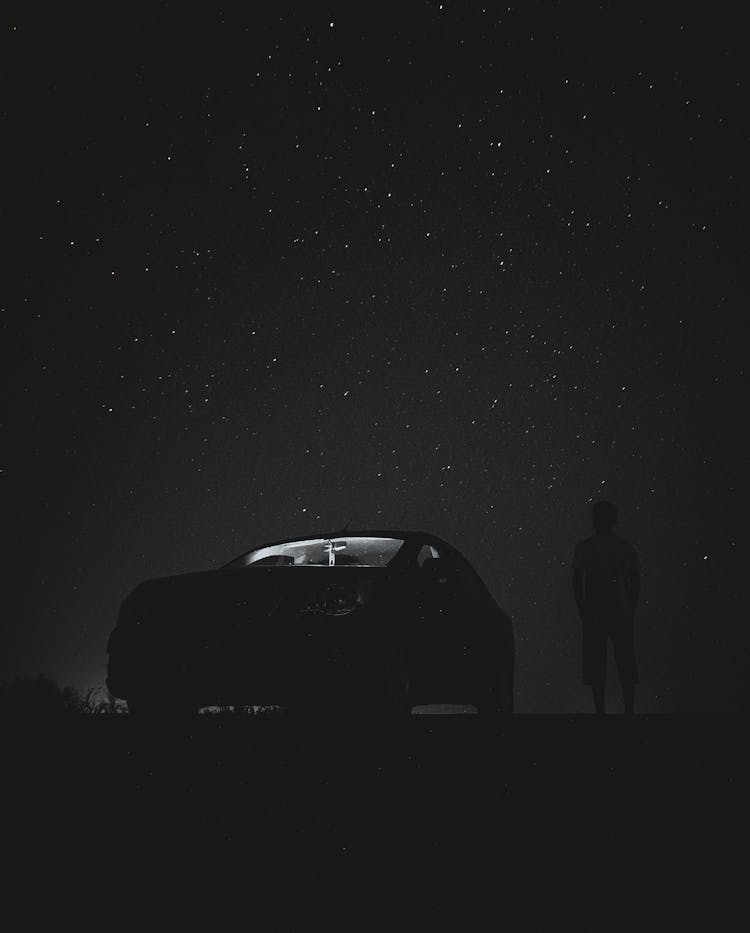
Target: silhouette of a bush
(99, 701)
(37, 696)
(40, 697)
(234, 711)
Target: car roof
(354, 533)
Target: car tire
(497, 699)
(397, 685)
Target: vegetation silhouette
(39, 696)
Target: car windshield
(356, 551)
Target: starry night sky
(429, 266)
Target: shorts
(598, 629)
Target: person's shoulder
(582, 549)
(627, 547)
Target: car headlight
(337, 599)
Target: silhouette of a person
(606, 585)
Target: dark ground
(302, 823)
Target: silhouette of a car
(370, 621)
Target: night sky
(425, 266)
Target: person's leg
(595, 660)
(599, 691)
(623, 642)
(628, 697)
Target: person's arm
(578, 590)
(635, 586)
(634, 579)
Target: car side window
(427, 550)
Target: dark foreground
(306, 825)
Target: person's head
(604, 515)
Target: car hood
(287, 584)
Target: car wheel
(497, 699)
(397, 684)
